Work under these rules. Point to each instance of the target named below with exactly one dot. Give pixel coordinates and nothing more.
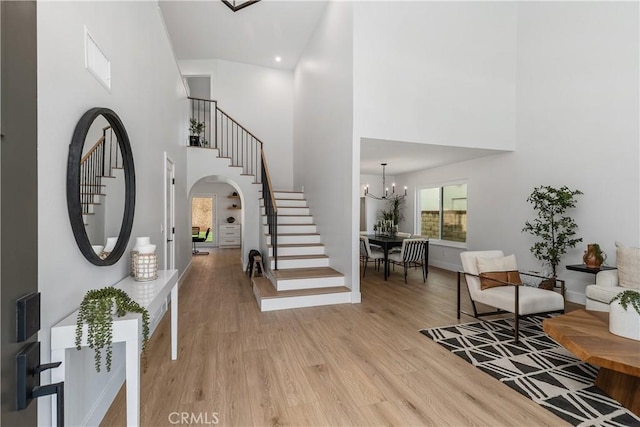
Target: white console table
(128, 329)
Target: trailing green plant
(97, 311)
(627, 298)
(196, 127)
(555, 230)
(395, 204)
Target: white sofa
(603, 291)
(610, 283)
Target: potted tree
(97, 310)
(624, 315)
(196, 128)
(555, 230)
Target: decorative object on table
(98, 249)
(234, 194)
(386, 195)
(231, 220)
(537, 368)
(140, 241)
(624, 315)
(554, 229)
(145, 263)
(594, 256)
(196, 128)
(96, 311)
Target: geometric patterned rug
(537, 367)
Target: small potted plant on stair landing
(196, 128)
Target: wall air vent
(236, 5)
(96, 61)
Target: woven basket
(144, 267)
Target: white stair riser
(283, 195)
(310, 283)
(289, 211)
(299, 263)
(291, 203)
(272, 304)
(304, 238)
(298, 250)
(290, 219)
(291, 229)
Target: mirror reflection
(102, 186)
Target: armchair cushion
(532, 300)
(628, 263)
(603, 294)
(498, 269)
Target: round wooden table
(586, 334)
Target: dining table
(386, 242)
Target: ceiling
(208, 29)
(405, 157)
(254, 35)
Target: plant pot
(194, 140)
(625, 323)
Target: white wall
(323, 137)
(578, 125)
(203, 163)
(261, 100)
(435, 72)
(148, 95)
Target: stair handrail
(270, 208)
(241, 146)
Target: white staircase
(304, 277)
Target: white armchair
(505, 296)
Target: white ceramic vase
(625, 323)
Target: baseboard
(184, 273)
(576, 297)
(105, 399)
(356, 297)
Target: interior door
(169, 216)
(19, 191)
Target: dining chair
(198, 239)
(412, 253)
(366, 253)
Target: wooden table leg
(622, 387)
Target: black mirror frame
(73, 185)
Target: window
(442, 212)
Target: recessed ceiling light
(278, 59)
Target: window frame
(418, 212)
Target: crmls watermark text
(198, 418)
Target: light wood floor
(353, 364)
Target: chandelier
(237, 5)
(386, 195)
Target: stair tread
(305, 273)
(297, 245)
(294, 234)
(267, 291)
(294, 225)
(290, 257)
(279, 215)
